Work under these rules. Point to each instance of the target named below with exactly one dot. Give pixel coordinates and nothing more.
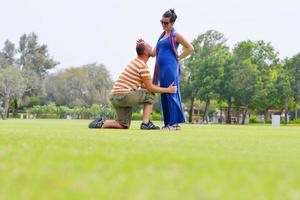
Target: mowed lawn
(63, 159)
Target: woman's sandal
(177, 127)
(170, 128)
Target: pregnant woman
(167, 69)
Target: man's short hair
(140, 48)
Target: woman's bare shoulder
(178, 37)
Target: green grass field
(62, 159)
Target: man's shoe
(149, 126)
(97, 123)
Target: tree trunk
(221, 117)
(15, 112)
(244, 116)
(286, 109)
(296, 109)
(6, 106)
(205, 115)
(191, 111)
(229, 111)
(266, 115)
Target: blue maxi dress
(168, 72)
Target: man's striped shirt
(132, 77)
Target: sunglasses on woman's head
(164, 22)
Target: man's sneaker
(97, 123)
(149, 126)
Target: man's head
(143, 49)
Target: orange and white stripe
(132, 77)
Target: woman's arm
(188, 48)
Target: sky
(80, 32)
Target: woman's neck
(167, 32)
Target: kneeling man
(134, 86)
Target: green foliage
(11, 85)
(268, 121)
(244, 74)
(33, 100)
(107, 111)
(154, 116)
(205, 67)
(52, 111)
(137, 116)
(247, 77)
(292, 66)
(31, 62)
(7, 55)
(253, 119)
(47, 109)
(204, 70)
(295, 121)
(33, 56)
(79, 87)
(34, 62)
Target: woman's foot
(170, 128)
(177, 126)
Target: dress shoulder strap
(173, 42)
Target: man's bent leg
(146, 112)
(147, 98)
(113, 124)
(123, 111)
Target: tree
(82, 86)
(252, 62)
(34, 62)
(189, 89)
(206, 67)
(11, 85)
(226, 92)
(244, 76)
(266, 58)
(33, 56)
(7, 60)
(284, 89)
(292, 65)
(7, 55)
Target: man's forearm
(157, 89)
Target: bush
(52, 111)
(253, 119)
(268, 121)
(295, 121)
(108, 112)
(156, 116)
(137, 116)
